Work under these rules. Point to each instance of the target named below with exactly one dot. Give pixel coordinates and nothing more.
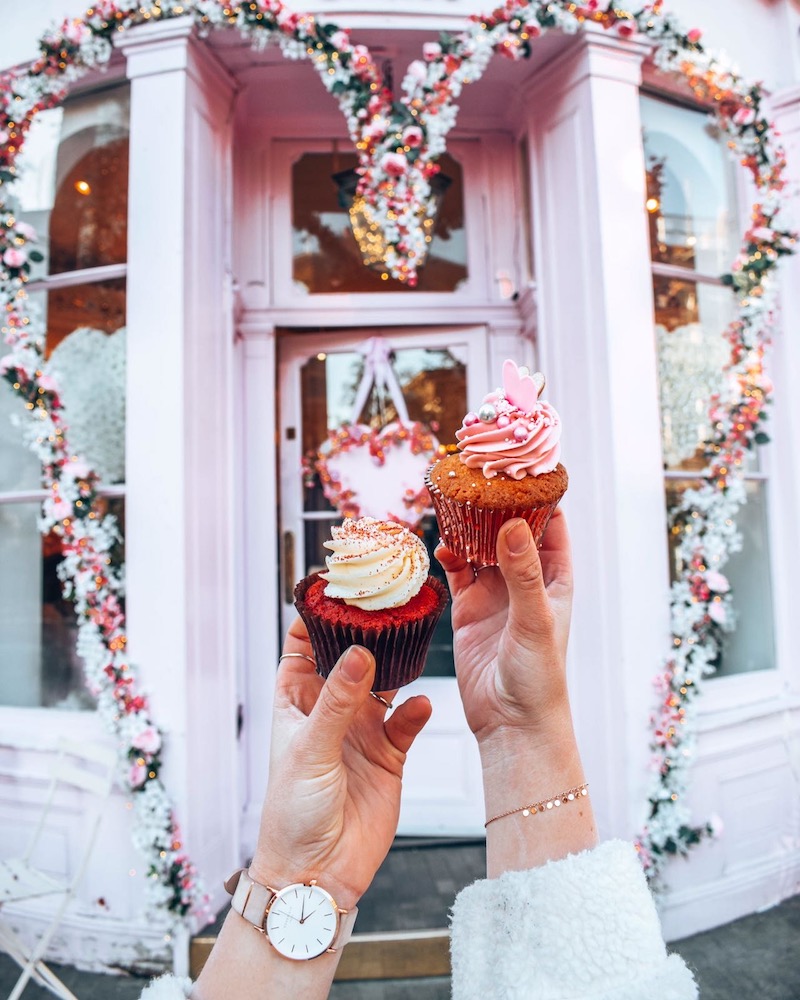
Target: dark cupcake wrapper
(399, 650)
(471, 532)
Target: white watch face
(302, 921)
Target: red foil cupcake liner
(399, 650)
(471, 532)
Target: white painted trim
(704, 905)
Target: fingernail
(355, 664)
(518, 538)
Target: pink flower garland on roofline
(398, 145)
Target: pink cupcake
(507, 467)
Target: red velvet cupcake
(507, 467)
(376, 593)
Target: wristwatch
(300, 921)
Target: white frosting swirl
(375, 564)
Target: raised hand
(336, 766)
(510, 626)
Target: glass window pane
(39, 664)
(85, 341)
(325, 255)
(690, 188)
(73, 184)
(752, 645)
(20, 468)
(692, 351)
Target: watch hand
(286, 913)
(302, 911)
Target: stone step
(401, 932)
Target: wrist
(278, 873)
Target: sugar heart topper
(520, 387)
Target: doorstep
(401, 932)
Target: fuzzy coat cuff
(584, 928)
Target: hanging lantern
(368, 233)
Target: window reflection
(39, 662)
(752, 645)
(690, 189)
(325, 255)
(73, 185)
(691, 209)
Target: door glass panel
(752, 645)
(434, 387)
(325, 255)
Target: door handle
(288, 567)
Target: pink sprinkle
(520, 433)
(503, 420)
(471, 418)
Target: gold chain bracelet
(545, 804)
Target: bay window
(72, 188)
(694, 235)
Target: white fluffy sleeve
(584, 928)
(167, 988)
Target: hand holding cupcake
(507, 467)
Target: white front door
(318, 377)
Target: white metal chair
(83, 766)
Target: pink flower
(148, 740)
(412, 136)
(376, 129)
(287, 20)
(762, 234)
(361, 56)
(694, 35)
(744, 116)
(418, 71)
(48, 383)
(6, 364)
(716, 826)
(717, 612)
(394, 164)
(76, 469)
(431, 51)
(14, 257)
(717, 582)
(26, 231)
(137, 775)
(3, 137)
(61, 510)
(75, 31)
(626, 28)
(340, 39)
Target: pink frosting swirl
(515, 442)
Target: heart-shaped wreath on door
(376, 472)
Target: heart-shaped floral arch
(398, 144)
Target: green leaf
(36, 256)
(762, 438)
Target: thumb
(529, 613)
(342, 694)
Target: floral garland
(398, 143)
(92, 578)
